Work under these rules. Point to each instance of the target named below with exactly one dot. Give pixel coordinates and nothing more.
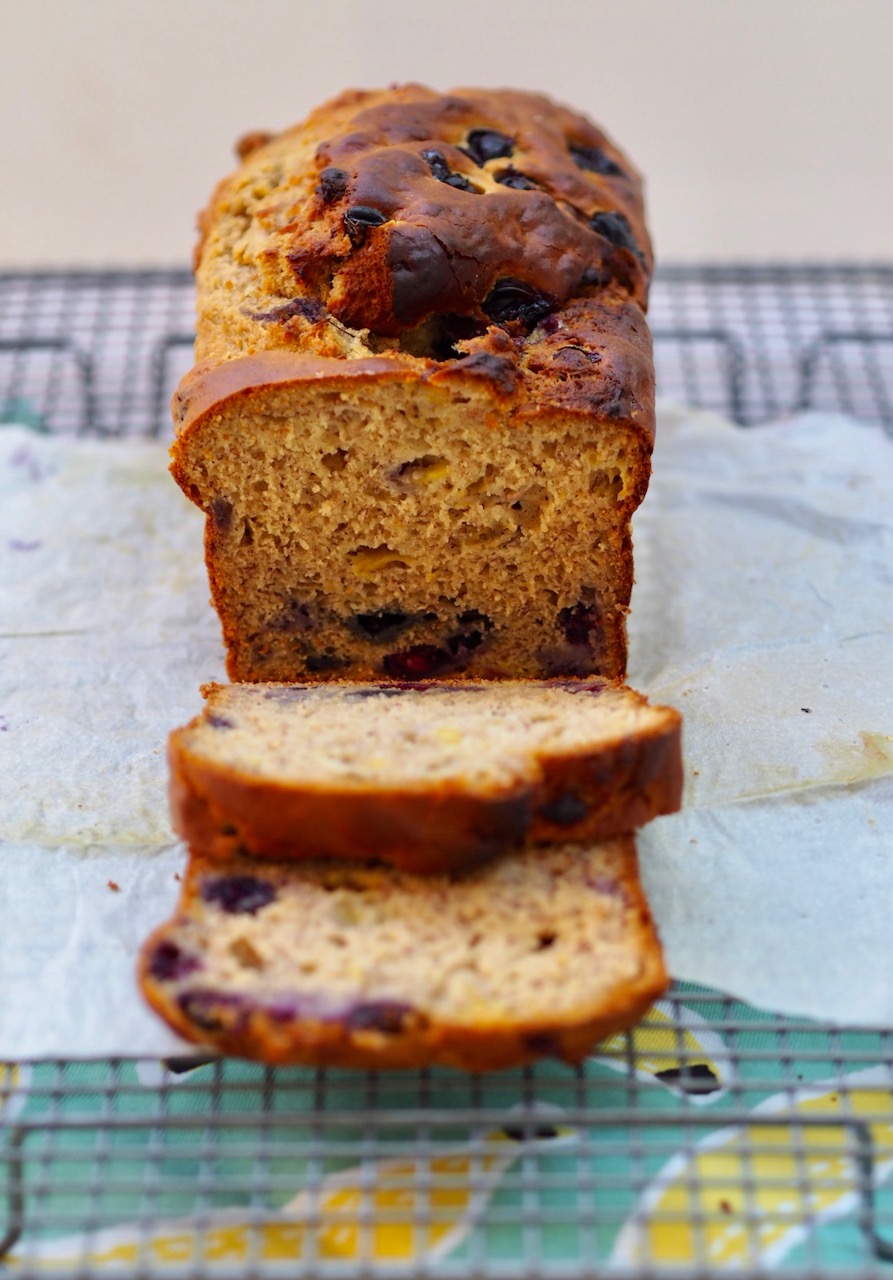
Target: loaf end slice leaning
(543, 953)
(428, 777)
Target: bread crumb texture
(480, 735)
(541, 952)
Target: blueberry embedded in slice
(501, 371)
(214, 1010)
(596, 160)
(359, 219)
(437, 163)
(448, 329)
(589, 685)
(483, 145)
(472, 616)
(517, 181)
(546, 1043)
(576, 357)
(219, 722)
(287, 693)
(511, 299)
(383, 623)
(307, 308)
(328, 661)
(565, 810)
(387, 1016)
(615, 228)
(289, 1009)
(238, 895)
(380, 691)
(169, 962)
(580, 623)
(332, 184)
(222, 514)
(594, 276)
(295, 616)
(461, 644)
(601, 882)
(417, 663)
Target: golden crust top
(408, 218)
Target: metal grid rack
(101, 352)
(712, 1138)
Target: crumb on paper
(114, 886)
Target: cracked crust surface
(387, 208)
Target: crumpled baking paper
(763, 607)
(764, 612)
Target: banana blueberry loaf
(422, 414)
(354, 964)
(429, 777)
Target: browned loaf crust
(423, 409)
(430, 777)
(359, 965)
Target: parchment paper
(764, 611)
(764, 565)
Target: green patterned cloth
(712, 1135)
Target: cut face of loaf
(365, 522)
(542, 953)
(429, 777)
(423, 410)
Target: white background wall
(765, 126)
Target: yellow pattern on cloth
(748, 1194)
(393, 1211)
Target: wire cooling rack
(101, 352)
(712, 1138)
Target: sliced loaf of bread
(428, 777)
(326, 962)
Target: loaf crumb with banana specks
(543, 953)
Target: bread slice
(327, 962)
(428, 777)
(422, 412)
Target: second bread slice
(428, 777)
